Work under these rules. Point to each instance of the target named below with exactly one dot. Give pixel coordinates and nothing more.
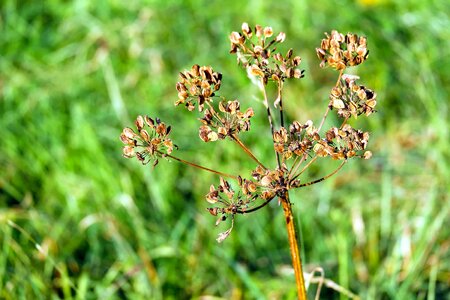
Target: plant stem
(293, 244)
(198, 166)
(329, 105)
(246, 150)
(296, 165)
(269, 116)
(240, 211)
(325, 177)
(280, 87)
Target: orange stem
(246, 150)
(293, 244)
(199, 166)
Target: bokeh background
(78, 221)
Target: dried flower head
(256, 50)
(351, 99)
(228, 121)
(228, 200)
(298, 141)
(229, 203)
(272, 182)
(198, 85)
(259, 55)
(147, 144)
(339, 51)
(342, 143)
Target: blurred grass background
(77, 221)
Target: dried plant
(296, 146)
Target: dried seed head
(260, 57)
(198, 85)
(150, 143)
(351, 99)
(339, 51)
(342, 143)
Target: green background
(79, 221)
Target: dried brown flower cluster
(229, 122)
(351, 99)
(147, 145)
(271, 181)
(231, 201)
(256, 49)
(298, 141)
(339, 51)
(198, 85)
(343, 143)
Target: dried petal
(280, 37)
(128, 151)
(129, 133)
(139, 123)
(268, 32)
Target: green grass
(77, 221)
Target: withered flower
(198, 85)
(298, 141)
(343, 143)
(351, 99)
(339, 51)
(228, 121)
(259, 55)
(147, 144)
(270, 181)
(229, 202)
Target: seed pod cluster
(340, 51)
(228, 202)
(351, 99)
(150, 142)
(256, 51)
(198, 85)
(343, 143)
(228, 121)
(298, 141)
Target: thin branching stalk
(293, 164)
(269, 116)
(280, 99)
(344, 122)
(255, 208)
(246, 150)
(329, 105)
(325, 177)
(199, 166)
(305, 167)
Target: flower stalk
(294, 246)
